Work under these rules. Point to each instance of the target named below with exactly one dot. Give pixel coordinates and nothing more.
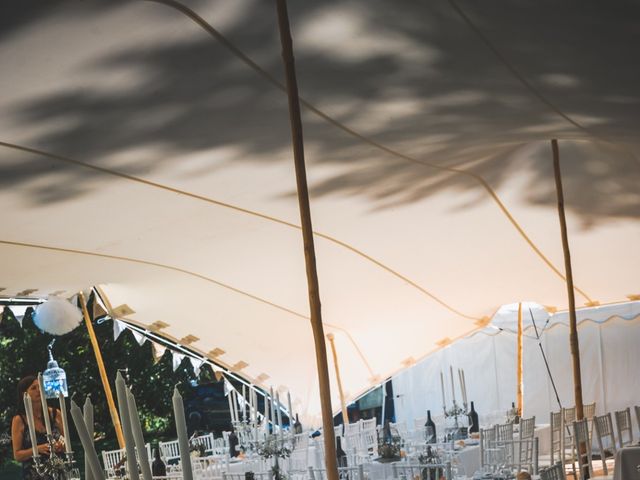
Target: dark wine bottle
(430, 429)
(297, 426)
(340, 453)
(158, 468)
(474, 422)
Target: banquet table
(627, 464)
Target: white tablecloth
(627, 464)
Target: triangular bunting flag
(118, 328)
(140, 338)
(196, 363)
(177, 360)
(158, 351)
(227, 387)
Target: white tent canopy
(163, 171)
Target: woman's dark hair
(23, 386)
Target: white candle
(290, 410)
(444, 403)
(65, 423)
(28, 408)
(266, 412)
(45, 408)
(230, 403)
(87, 411)
(125, 420)
(244, 403)
(453, 390)
(273, 410)
(145, 466)
(279, 412)
(183, 440)
(87, 442)
(254, 403)
(464, 386)
(235, 405)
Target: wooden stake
(103, 373)
(573, 328)
(519, 401)
(307, 235)
(343, 405)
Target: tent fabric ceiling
(142, 155)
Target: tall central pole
(573, 326)
(307, 236)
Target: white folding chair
(111, 460)
(206, 440)
(623, 424)
(526, 448)
(170, 450)
(603, 428)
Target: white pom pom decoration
(57, 316)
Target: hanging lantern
(54, 377)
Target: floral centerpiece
(196, 449)
(389, 444)
(274, 447)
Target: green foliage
(23, 351)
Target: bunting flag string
(100, 310)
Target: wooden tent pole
(343, 405)
(519, 400)
(103, 373)
(307, 236)
(573, 328)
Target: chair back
(637, 409)
(527, 427)
(369, 424)
(589, 410)
(337, 430)
(487, 437)
(623, 423)
(206, 441)
(555, 472)
(569, 415)
(170, 450)
(582, 444)
(603, 428)
(527, 447)
(110, 459)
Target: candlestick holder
(56, 466)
